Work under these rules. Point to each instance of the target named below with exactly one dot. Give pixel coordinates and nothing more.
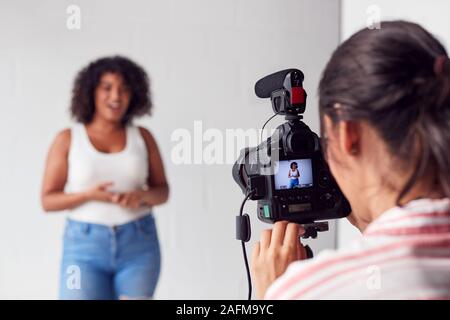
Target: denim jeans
(101, 262)
(293, 183)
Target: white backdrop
(203, 57)
(433, 15)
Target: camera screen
(294, 174)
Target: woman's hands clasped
(130, 200)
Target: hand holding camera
(276, 250)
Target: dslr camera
(287, 174)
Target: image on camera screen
(294, 174)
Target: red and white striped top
(403, 254)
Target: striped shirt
(403, 254)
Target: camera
(287, 174)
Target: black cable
(249, 194)
(247, 268)
(264, 125)
(244, 252)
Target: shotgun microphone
(265, 86)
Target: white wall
(203, 57)
(433, 15)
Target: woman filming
(385, 110)
(108, 174)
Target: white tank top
(127, 169)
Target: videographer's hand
(131, 200)
(100, 192)
(274, 252)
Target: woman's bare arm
(158, 188)
(53, 197)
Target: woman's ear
(327, 124)
(349, 137)
(346, 133)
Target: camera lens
(299, 142)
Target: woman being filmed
(108, 174)
(385, 111)
(294, 176)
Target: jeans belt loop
(137, 225)
(86, 228)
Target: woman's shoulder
(144, 131)
(63, 137)
(66, 134)
(146, 135)
(61, 142)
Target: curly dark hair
(294, 164)
(82, 106)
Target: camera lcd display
(296, 173)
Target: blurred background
(203, 58)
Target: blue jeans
(293, 183)
(101, 262)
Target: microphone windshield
(265, 86)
